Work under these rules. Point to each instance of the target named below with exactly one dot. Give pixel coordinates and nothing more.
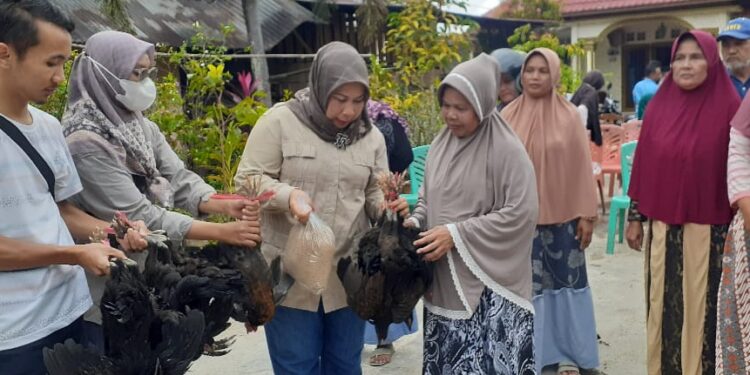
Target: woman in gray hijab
(122, 158)
(319, 147)
(478, 205)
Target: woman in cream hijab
(550, 128)
(478, 204)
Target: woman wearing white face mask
(124, 162)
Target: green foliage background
(423, 43)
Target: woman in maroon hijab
(679, 187)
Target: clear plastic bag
(308, 256)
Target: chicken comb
(250, 189)
(265, 196)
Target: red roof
(581, 7)
(577, 8)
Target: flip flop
(386, 351)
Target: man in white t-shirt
(43, 290)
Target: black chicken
(139, 338)
(258, 287)
(222, 281)
(389, 277)
(209, 292)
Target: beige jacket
(341, 183)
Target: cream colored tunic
(341, 183)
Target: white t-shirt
(37, 302)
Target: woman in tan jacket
(319, 150)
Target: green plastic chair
(618, 208)
(416, 175)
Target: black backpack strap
(21, 140)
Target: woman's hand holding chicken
(399, 205)
(435, 243)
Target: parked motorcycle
(609, 108)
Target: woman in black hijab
(588, 95)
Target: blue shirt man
(735, 51)
(649, 84)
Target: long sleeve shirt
(738, 167)
(342, 184)
(108, 186)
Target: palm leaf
(117, 12)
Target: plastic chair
(416, 175)
(612, 137)
(618, 208)
(632, 130)
(596, 166)
(610, 118)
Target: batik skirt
(683, 271)
(497, 339)
(733, 331)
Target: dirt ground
(617, 284)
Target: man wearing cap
(735, 50)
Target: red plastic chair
(613, 136)
(596, 166)
(632, 130)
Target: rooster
(139, 338)
(258, 287)
(388, 277)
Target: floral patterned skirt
(497, 339)
(564, 324)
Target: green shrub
(207, 127)
(425, 42)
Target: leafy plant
(525, 39)
(56, 103)
(208, 125)
(422, 44)
(287, 95)
(371, 16)
(117, 13)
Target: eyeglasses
(143, 73)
